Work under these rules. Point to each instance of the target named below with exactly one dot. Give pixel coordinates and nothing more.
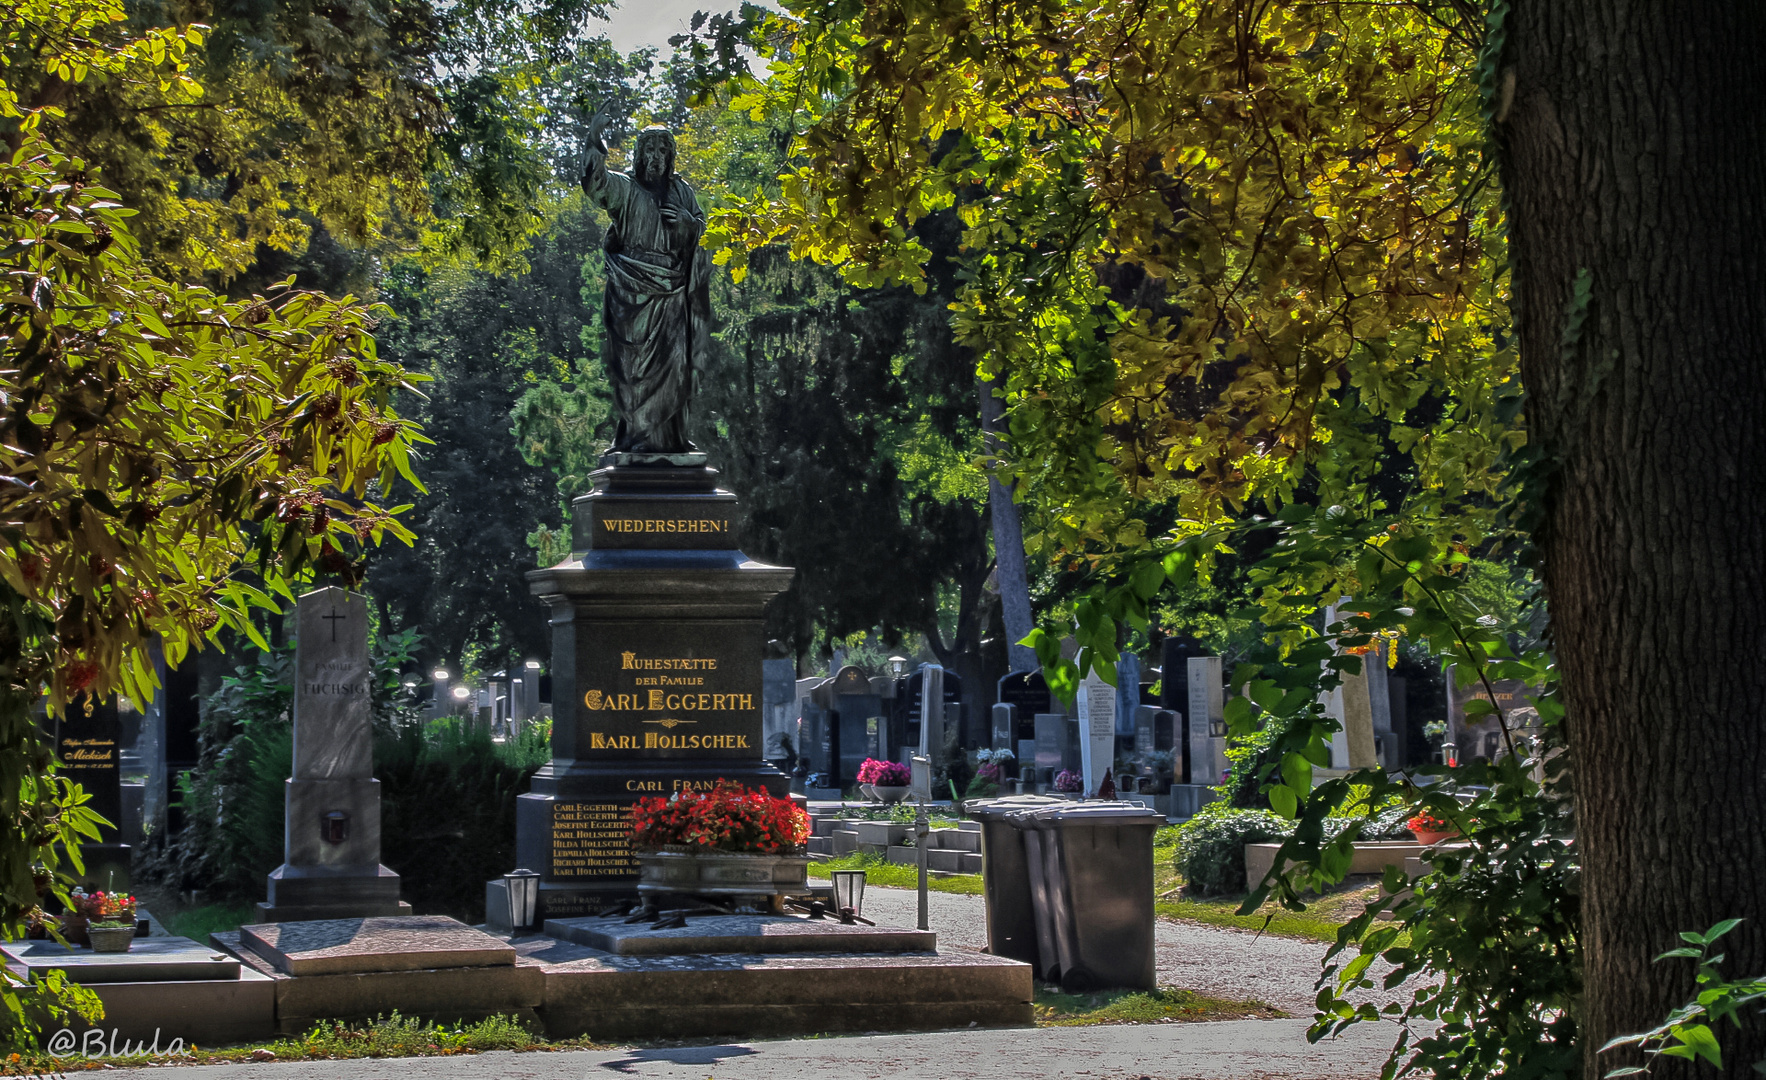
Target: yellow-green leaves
(152, 434)
(1205, 243)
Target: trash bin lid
(1089, 813)
(995, 809)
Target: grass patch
(199, 922)
(1166, 1005)
(395, 1036)
(1319, 922)
(895, 875)
(1269, 919)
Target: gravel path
(1227, 1050)
(1211, 960)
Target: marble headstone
(1005, 727)
(1207, 712)
(331, 866)
(1051, 736)
(1097, 730)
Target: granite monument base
(304, 893)
(658, 633)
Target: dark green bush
(447, 792)
(1210, 855)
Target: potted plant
(1431, 829)
(990, 773)
(1068, 782)
(730, 841)
(110, 919)
(884, 781)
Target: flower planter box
(111, 939)
(722, 873)
(1371, 857)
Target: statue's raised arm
(657, 308)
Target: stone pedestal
(657, 674)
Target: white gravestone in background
(1097, 730)
(1207, 710)
(1354, 704)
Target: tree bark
(1008, 543)
(1634, 150)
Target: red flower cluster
(884, 773)
(729, 817)
(1428, 822)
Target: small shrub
(1210, 854)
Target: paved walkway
(1211, 960)
(1230, 1050)
(1216, 961)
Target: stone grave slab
(149, 959)
(606, 996)
(755, 934)
(381, 944)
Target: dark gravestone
(820, 743)
(855, 704)
(182, 713)
(1174, 667)
(658, 641)
(1174, 694)
(1029, 692)
(858, 733)
(89, 748)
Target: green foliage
(1210, 852)
(1163, 1005)
(498, 345)
(447, 790)
(897, 875)
(448, 810)
(405, 1036)
(1687, 1032)
(382, 126)
(154, 436)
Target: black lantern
(335, 827)
(524, 894)
(849, 893)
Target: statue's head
(653, 155)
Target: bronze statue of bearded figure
(657, 308)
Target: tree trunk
(1008, 544)
(1635, 146)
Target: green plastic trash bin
(1005, 877)
(1090, 867)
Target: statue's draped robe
(657, 308)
